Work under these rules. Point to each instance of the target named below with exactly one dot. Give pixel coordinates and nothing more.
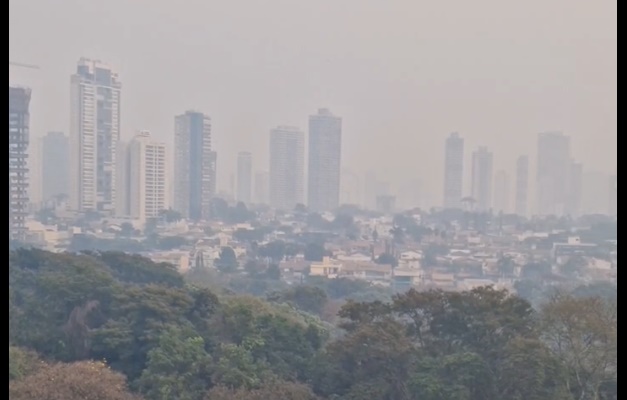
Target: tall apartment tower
(482, 178)
(522, 186)
(502, 194)
(245, 177)
(454, 172)
(194, 166)
(55, 165)
(19, 139)
(554, 171)
(94, 134)
(287, 168)
(325, 161)
(146, 180)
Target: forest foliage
(116, 327)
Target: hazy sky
(403, 73)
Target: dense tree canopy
(165, 338)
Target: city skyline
(442, 73)
(325, 158)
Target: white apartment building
(94, 135)
(287, 168)
(146, 170)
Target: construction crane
(22, 65)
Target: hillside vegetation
(116, 327)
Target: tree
(227, 263)
(82, 381)
(461, 375)
(21, 363)
(139, 316)
(315, 252)
(270, 391)
(373, 362)
(583, 334)
(177, 369)
(171, 216)
(387, 259)
(237, 368)
(398, 234)
(506, 266)
(127, 230)
(574, 266)
(536, 271)
(274, 251)
(530, 372)
(307, 298)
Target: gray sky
(403, 73)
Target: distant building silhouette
(55, 165)
(575, 190)
(483, 178)
(262, 188)
(325, 161)
(454, 172)
(522, 186)
(554, 171)
(245, 177)
(502, 199)
(287, 168)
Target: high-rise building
(55, 165)
(245, 177)
(575, 190)
(482, 178)
(454, 172)
(146, 181)
(554, 170)
(262, 188)
(94, 135)
(287, 168)
(325, 161)
(19, 139)
(522, 186)
(502, 193)
(194, 165)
